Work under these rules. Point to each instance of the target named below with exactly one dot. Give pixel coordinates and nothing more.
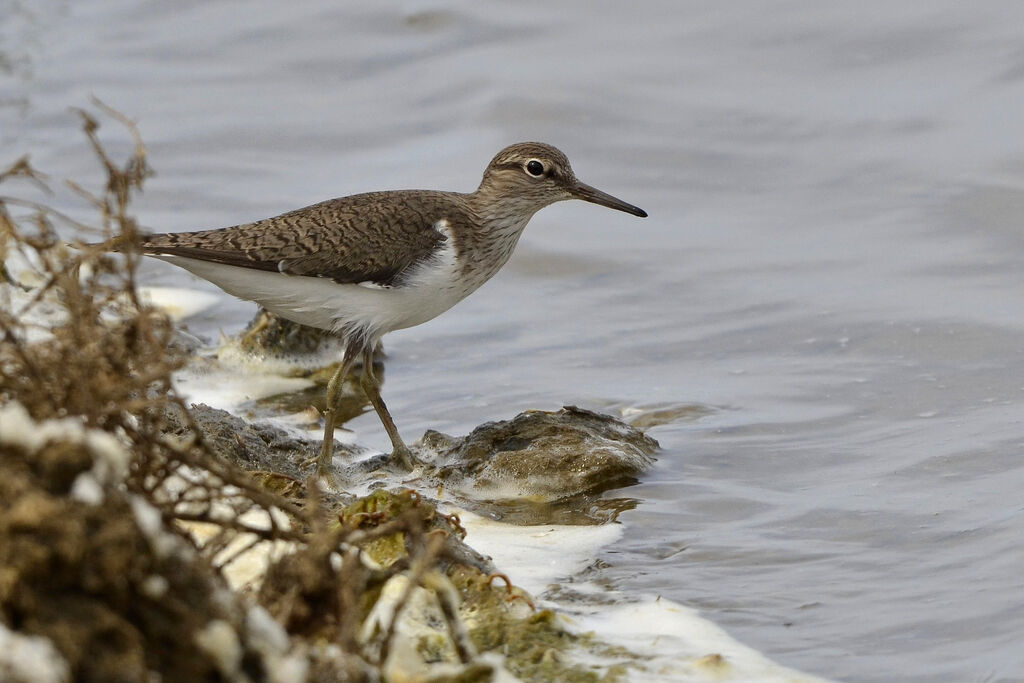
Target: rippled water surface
(831, 272)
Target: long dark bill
(594, 195)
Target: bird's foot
(322, 462)
(402, 457)
(325, 473)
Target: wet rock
(422, 647)
(534, 643)
(382, 506)
(313, 352)
(538, 468)
(268, 333)
(251, 446)
(543, 456)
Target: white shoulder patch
(443, 227)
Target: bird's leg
(371, 385)
(323, 463)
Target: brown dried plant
(104, 356)
(81, 343)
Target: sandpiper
(364, 265)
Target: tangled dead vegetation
(119, 523)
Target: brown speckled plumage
(371, 237)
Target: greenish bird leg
(371, 385)
(323, 464)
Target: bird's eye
(535, 168)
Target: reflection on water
(832, 262)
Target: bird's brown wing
(372, 237)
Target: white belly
(328, 305)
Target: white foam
(178, 302)
(671, 642)
(30, 658)
(535, 556)
(666, 641)
(229, 386)
(37, 316)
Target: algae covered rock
(541, 455)
(271, 334)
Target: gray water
(832, 266)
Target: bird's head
(535, 175)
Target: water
(831, 265)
